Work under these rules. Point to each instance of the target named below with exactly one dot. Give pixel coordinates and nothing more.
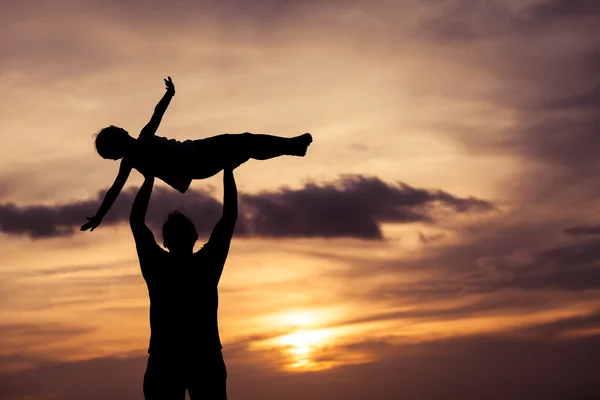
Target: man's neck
(181, 253)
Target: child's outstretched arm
(110, 197)
(152, 126)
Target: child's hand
(170, 86)
(92, 223)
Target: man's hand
(92, 223)
(170, 86)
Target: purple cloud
(352, 206)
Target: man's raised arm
(152, 126)
(230, 198)
(137, 219)
(220, 238)
(223, 231)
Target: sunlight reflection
(304, 346)
(307, 344)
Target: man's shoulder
(202, 251)
(206, 252)
(150, 250)
(151, 260)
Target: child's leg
(217, 152)
(264, 147)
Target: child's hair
(178, 229)
(109, 142)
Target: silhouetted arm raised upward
(220, 238)
(139, 209)
(145, 243)
(230, 198)
(152, 126)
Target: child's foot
(301, 144)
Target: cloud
(570, 268)
(544, 103)
(567, 8)
(34, 335)
(582, 230)
(563, 327)
(430, 238)
(502, 266)
(25, 345)
(352, 206)
(68, 30)
(65, 219)
(466, 20)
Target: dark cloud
(566, 140)
(583, 230)
(465, 20)
(575, 280)
(587, 98)
(565, 132)
(571, 268)
(430, 238)
(352, 206)
(478, 20)
(562, 327)
(567, 8)
(495, 261)
(65, 219)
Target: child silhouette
(178, 163)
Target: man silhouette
(185, 349)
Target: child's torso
(167, 159)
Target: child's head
(111, 142)
(179, 233)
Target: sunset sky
(440, 240)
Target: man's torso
(183, 302)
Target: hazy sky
(441, 237)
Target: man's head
(179, 233)
(112, 142)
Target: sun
(305, 339)
(304, 346)
(309, 341)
